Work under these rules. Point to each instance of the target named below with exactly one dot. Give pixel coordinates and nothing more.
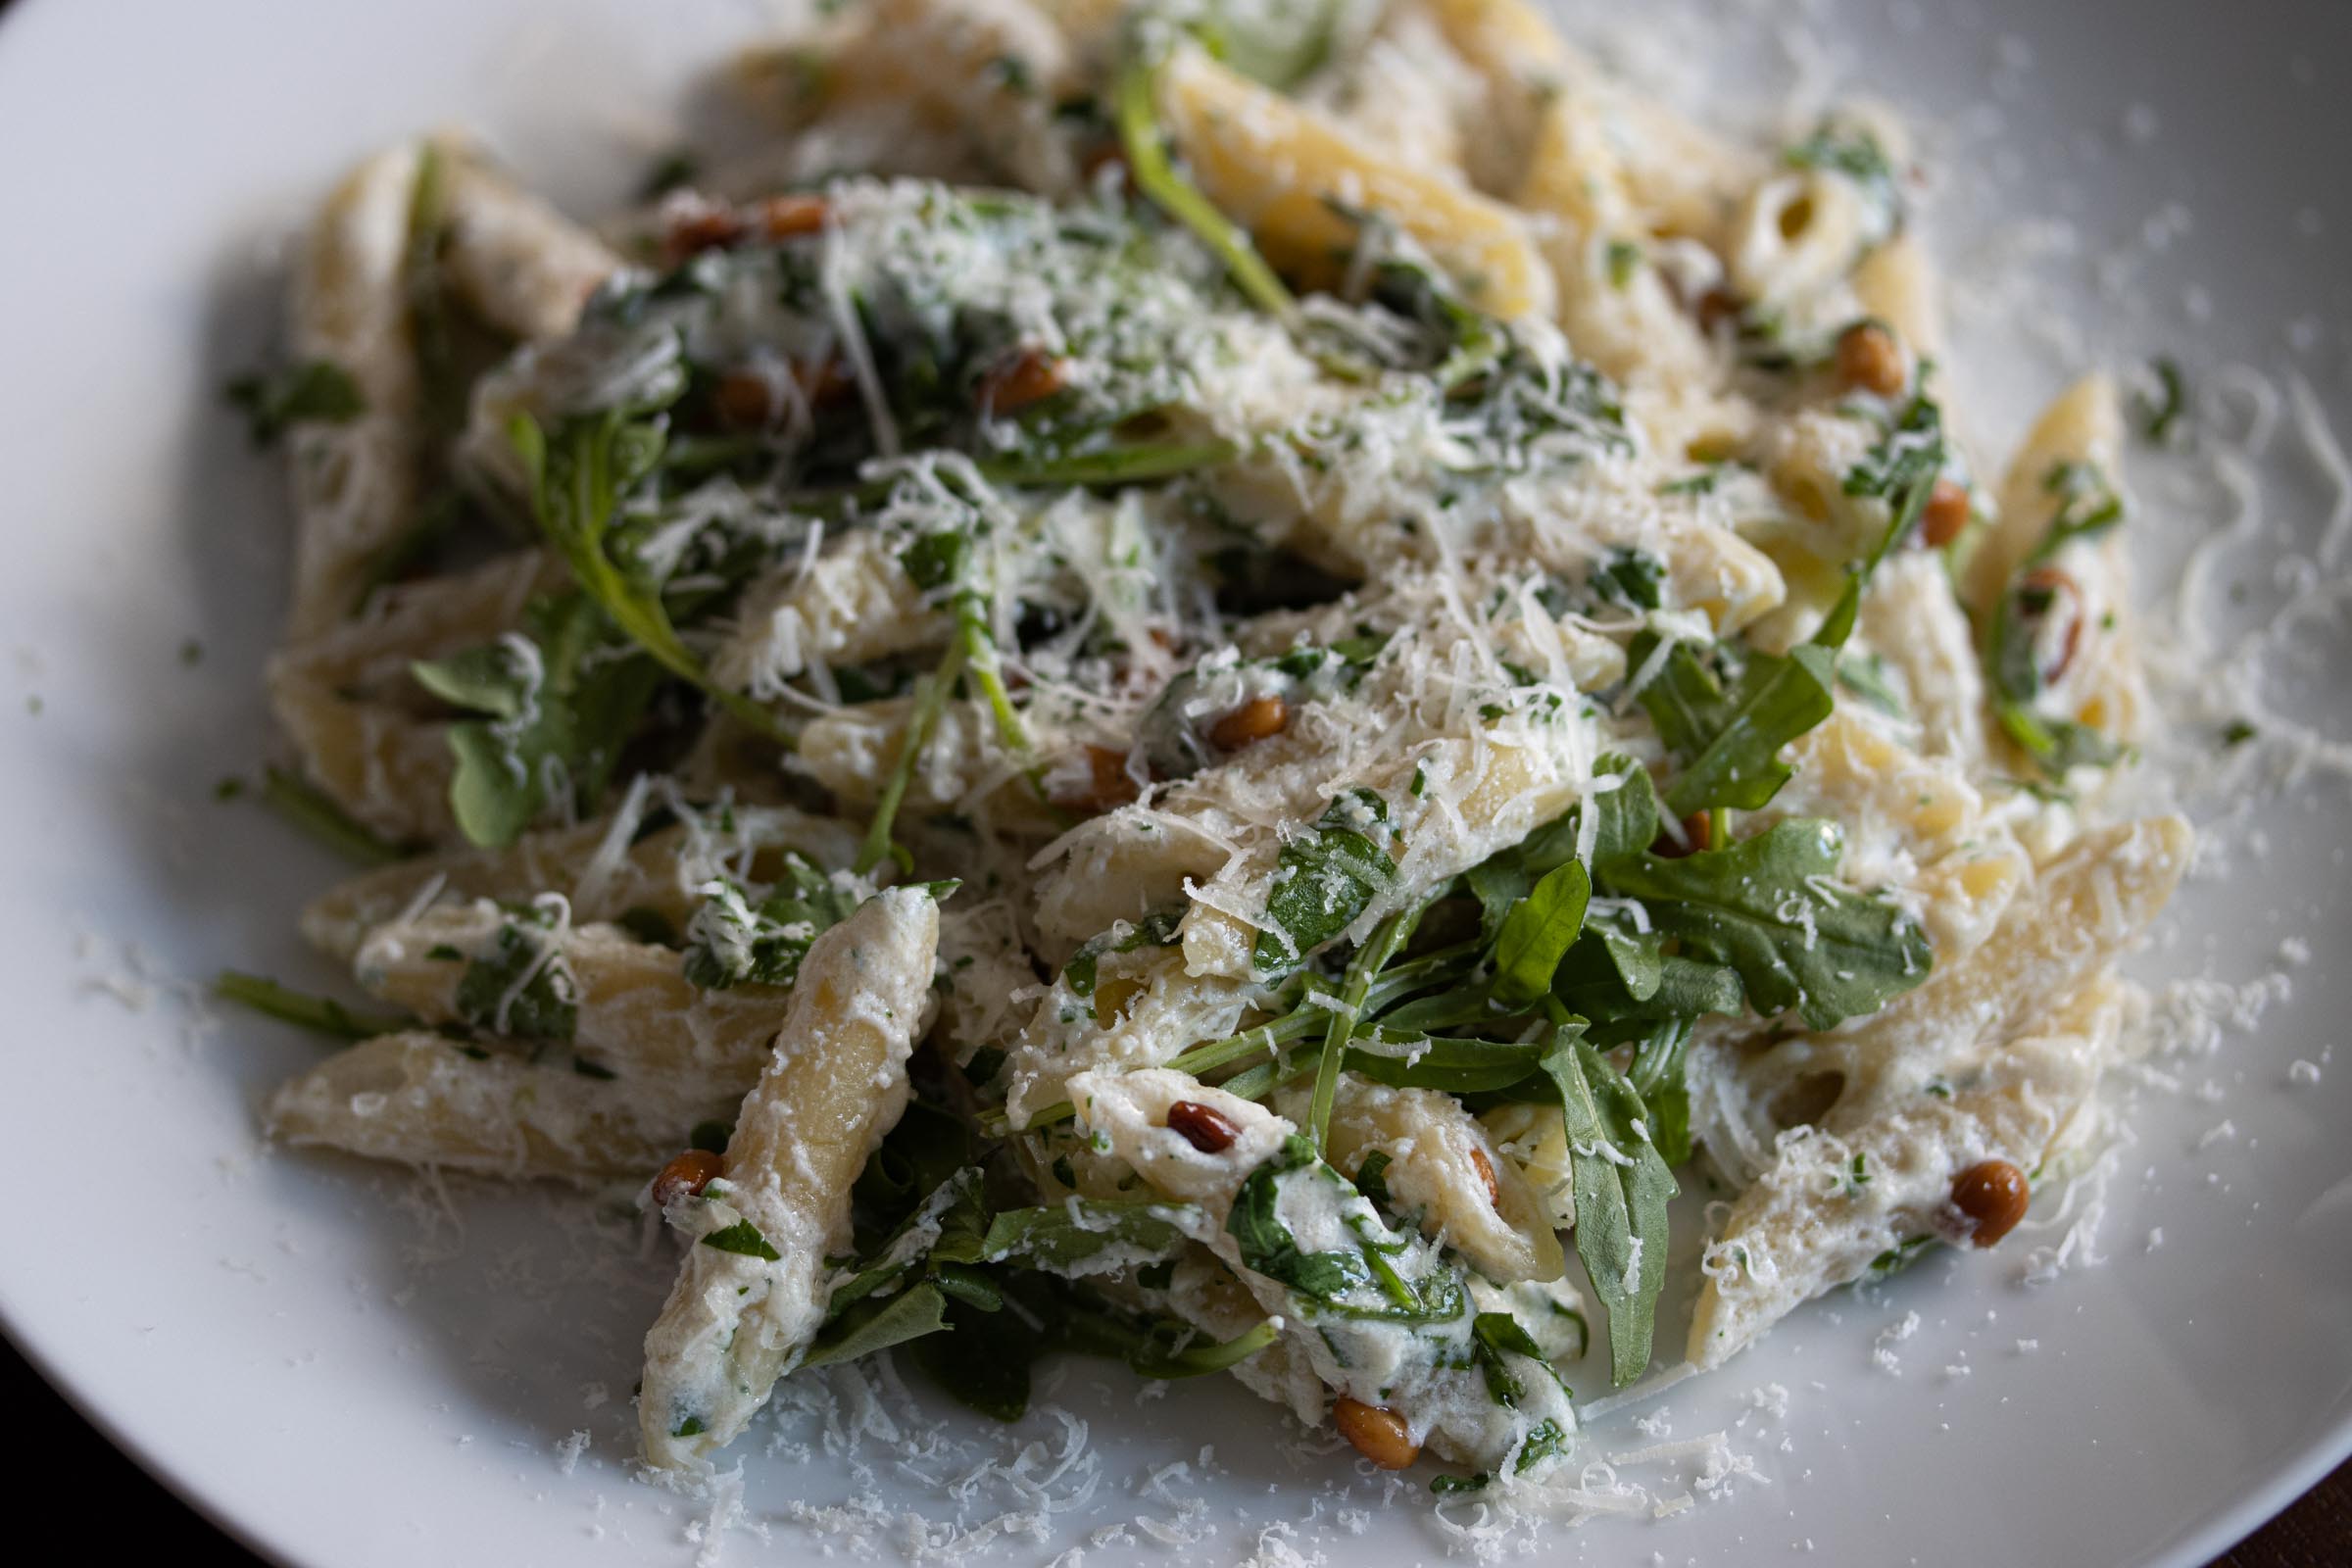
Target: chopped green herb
(743, 1238)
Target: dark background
(69, 1459)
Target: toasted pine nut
(1021, 379)
(1379, 1435)
(1205, 1127)
(1485, 1174)
(687, 1175)
(1993, 1194)
(1868, 356)
(1945, 514)
(1255, 721)
(791, 217)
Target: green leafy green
(1537, 934)
(931, 693)
(522, 987)
(1852, 149)
(1491, 1334)
(559, 700)
(313, 392)
(1621, 1186)
(1728, 734)
(1324, 879)
(2161, 416)
(908, 1315)
(1902, 471)
(1631, 577)
(982, 1360)
(1768, 907)
(1267, 1246)
(1199, 1356)
(1157, 929)
(1062, 1236)
(311, 812)
(732, 941)
(1278, 44)
(1657, 1076)
(1461, 1066)
(322, 1014)
(578, 479)
(1366, 963)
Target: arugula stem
(930, 700)
(1388, 938)
(1137, 463)
(1388, 988)
(1134, 109)
(980, 662)
(320, 1014)
(313, 812)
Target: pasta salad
(1220, 683)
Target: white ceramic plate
(348, 1373)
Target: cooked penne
(743, 1309)
(1227, 685)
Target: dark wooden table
(70, 1459)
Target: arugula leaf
(1062, 1236)
(1901, 469)
(1728, 737)
(1324, 879)
(561, 700)
(521, 988)
(578, 480)
(1491, 1334)
(908, 1315)
(1157, 929)
(731, 941)
(1537, 934)
(928, 1148)
(982, 1361)
(744, 1240)
(314, 392)
(322, 1014)
(1624, 981)
(1657, 1076)
(1108, 464)
(1158, 1347)
(1767, 906)
(946, 1225)
(1621, 1186)
(1544, 1440)
(1267, 1246)
(1407, 1060)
